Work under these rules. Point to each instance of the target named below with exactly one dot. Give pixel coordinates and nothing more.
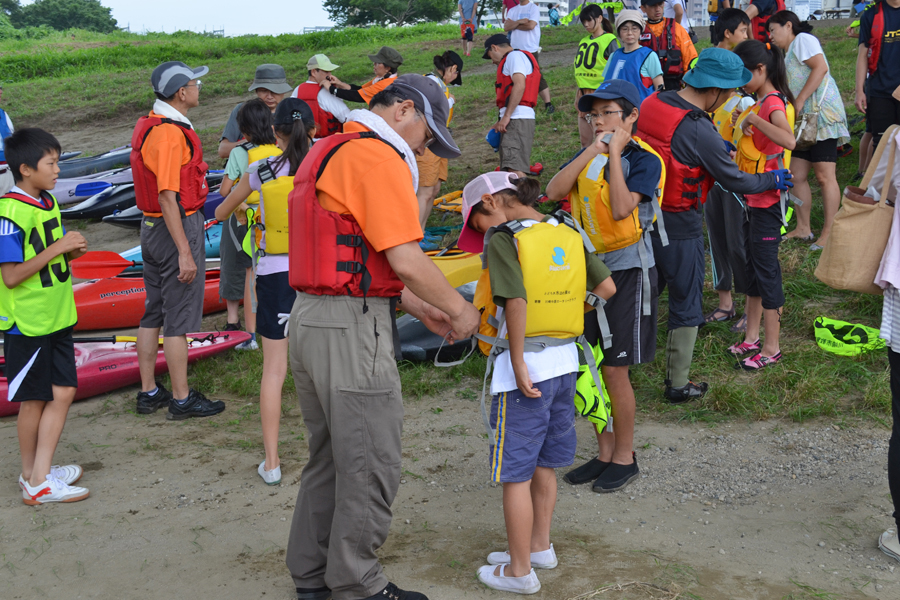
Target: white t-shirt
(805, 46)
(516, 62)
(549, 363)
(526, 40)
(669, 11)
(327, 102)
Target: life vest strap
(265, 173)
(599, 303)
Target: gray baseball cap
(428, 99)
(171, 76)
(387, 56)
(272, 78)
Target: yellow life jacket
(591, 208)
(722, 117)
(275, 191)
(257, 153)
(749, 159)
(444, 88)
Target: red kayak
(118, 302)
(107, 366)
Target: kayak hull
(118, 302)
(105, 366)
(457, 266)
(418, 344)
(79, 167)
(105, 203)
(65, 188)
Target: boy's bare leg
(53, 418)
(27, 424)
(617, 446)
(518, 512)
(543, 501)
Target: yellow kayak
(457, 266)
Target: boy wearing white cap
(330, 111)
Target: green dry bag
(846, 339)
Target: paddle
(91, 188)
(115, 339)
(100, 264)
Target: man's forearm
(424, 279)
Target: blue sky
(237, 17)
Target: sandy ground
(177, 508)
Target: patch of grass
(808, 592)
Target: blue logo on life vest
(559, 259)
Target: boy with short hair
(732, 28)
(612, 187)
(37, 313)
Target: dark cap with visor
(429, 99)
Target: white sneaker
(890, 544)
(528, 584)
(248, 345)
(52, 490)
(546, 559)
(272, 477)
(68, 474)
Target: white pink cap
(489, 183)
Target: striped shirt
(890, 318)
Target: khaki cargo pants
(349, 392)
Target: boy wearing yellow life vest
(614, 187)
(37, 313)
(725, 212)
(539, 272)
(271, 180)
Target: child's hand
(619, 140)
(523, 380)
(734, 115)
(240, 213)
(71, 242)
(747, 124)
(599, 145)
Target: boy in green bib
(37, 313)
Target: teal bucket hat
(718, 68)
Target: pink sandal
(759, 362)
(745, 348)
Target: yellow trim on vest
(748, 158)
(589, 200)
(275, 213)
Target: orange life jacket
(686, 187)
(328, 252)
(192, 194)
(532, 82)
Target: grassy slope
(110, 84)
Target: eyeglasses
(591, 117)
(199, 85)
(429, 136)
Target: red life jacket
(686, 187)
(328, 253)
(192, 194)
(669, 53)
(759, 25)
(532, 82)
(326, 123)
(875, 38)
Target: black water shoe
(147, 404)
(392, 592)
(616, 477)
(589, 471)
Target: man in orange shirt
(170, 187)
(350, 272)
(670, 41)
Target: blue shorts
(533, 432)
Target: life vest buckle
(350, 266)
(353, 241)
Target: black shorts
(763, 268)
(633, 334)
(823, 151)
(681, 267)
(274, 295)
(41, 362)
(882, 113)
